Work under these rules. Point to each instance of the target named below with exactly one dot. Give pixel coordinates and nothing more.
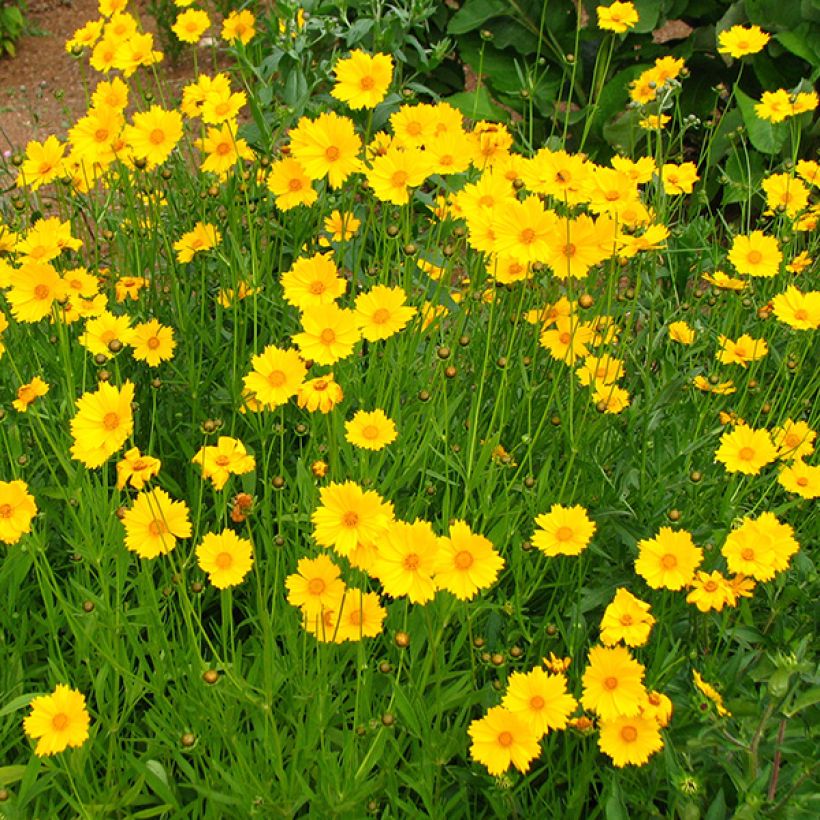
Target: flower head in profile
(202, 237)
(745, 450)
(540, 699)
(630, 740)
(501, 739)
(613, 683)
(370, 430)
(626, 619)
(669, 560)
(321, 394)
(467, 562)
(362, 79)
(226, 558)
(563, 530)
(58, 721)
(28, 393)
(618, 17)
(227, 457)
(738, 41)
(17, 509)
(681, 332)
(710, 692)
(103, 423)
(154, 523)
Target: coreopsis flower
(710, 590)
(658, 707)
(618, 17)
(221, 106)
(111, 94)
(290, 184)
(191, 25)
(738, 41)
(104, 54)
(371, 430)
(329, 333)
(33, 289)
(501, 739)
(756, 254)
(413, 125)
(539, 699)
(362, 79)
(154, 134)
(228, 457)
(392, 174)
(576, 245)
(321, 394)
(85, 36)
(154, 523)
(681, 332)
(223, 149)
(597, 371)
(563, 530)
(556, 665)
(194, 94)
(100, 331)
(613, 683)
(276, 376)
(136, 469)
(381, 312)
(226, 558)
(28, 393)
(679, 179)
(745, 450)
(17, 509)
(313, 281)
(744, 350)
(785, 192)
(340, 226)
(776, 106)
(630, 740)
(800, 262)
(558, 174)
(79, 282)
(239, 25)
(466, 562)
(42, 164)
(723, 281)
(760, 547)
(202, 237)
(492, 190)
(798, 310)
(327, 146)
(57, 721)
(361, 616)
(714, 385)
(406, 561)
(231, 296)
(710, 692)
(568, 340)
(655, 122)
(626, 619)
(793, 439)
(316, 586)
(523, 230)
(349, 515)
(669, 560)
(136, 51)
(94, 138)
(491, 143)
(610, 399)
(153, 343)
(322, 626)
(801, 479)
(448, 153)
(103, 422)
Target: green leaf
(807, 699)
(11, 774)
(767, 137)
(17, 703)
(475, 12)
(477, 105)
(648, 13)
(717, 808)
(799, 43)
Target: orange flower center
(276, 378)
(411, 562)
(505, 739)
(527, 236)
(45, 167)
(153, 343)
(746, 454)
(350, 519)
(747, 554)
(801, 313)
(754, 257)
(366, 83)
(42, 291)
(327, 336)
(223, 148)
(414, 128)
(356, 617)
(399, 179)
(486, 201)
(157, 527)
(157, 136)
(6, 510)
(370, 432)
(59, 721)
(654, 698)
(802, 481)
(629, 734)
(317, 287)
(101, 134)
(380, 316)
(222, 461)
(569, 250)
(139, 464)
(463, 559)
(224, 560)
(565, 337)
(316, 586)
(563, 533)
(295, 184)
(111, 421)
(537, 702)
(710, 586)
(669, 561)
(332, 153)
(320, 385)
(611, 683)
(626, 619)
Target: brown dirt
(42, 89)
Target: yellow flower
(710, 590)
(43, 163)
(393, 173)
(106, 334)
(800, 478)
(191, 25)
(315, 586)
(618, 17)
(710, 692)
(563, 530)
(744, 450)
(313, 281)
(153, 343)
(679, 179)
(33, 288)
(466, 562)
(613, 683)
(501, 739)
(202, 237)
(714, 385)
(381, 312)
(329, 333)
(539, 699)
(669, 560)
(760, 547)
(276, 376)
(630, 740)
(224, 150)
(406, 561)
(361, 616)
(738, 41)
(103, 422)
(756, 254)
(17, 508)
(228, 457)
(341, 226)
(27, 393)
(362, 80)
(290, 184)
(681, 332)
(226, 558)
(154, 523)
(136, 469)
(626, 619)
(523, 230)
(154, 134)
(239, 25)
(785, 193)
(723, 281)
(655, 122)
(799, 310)
(793, 439)
(600, 371)
(327, 146)
(370, 430)
(321, 394)
(58, 721)
(744, 350)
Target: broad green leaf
(475, 12)
(765, 136)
